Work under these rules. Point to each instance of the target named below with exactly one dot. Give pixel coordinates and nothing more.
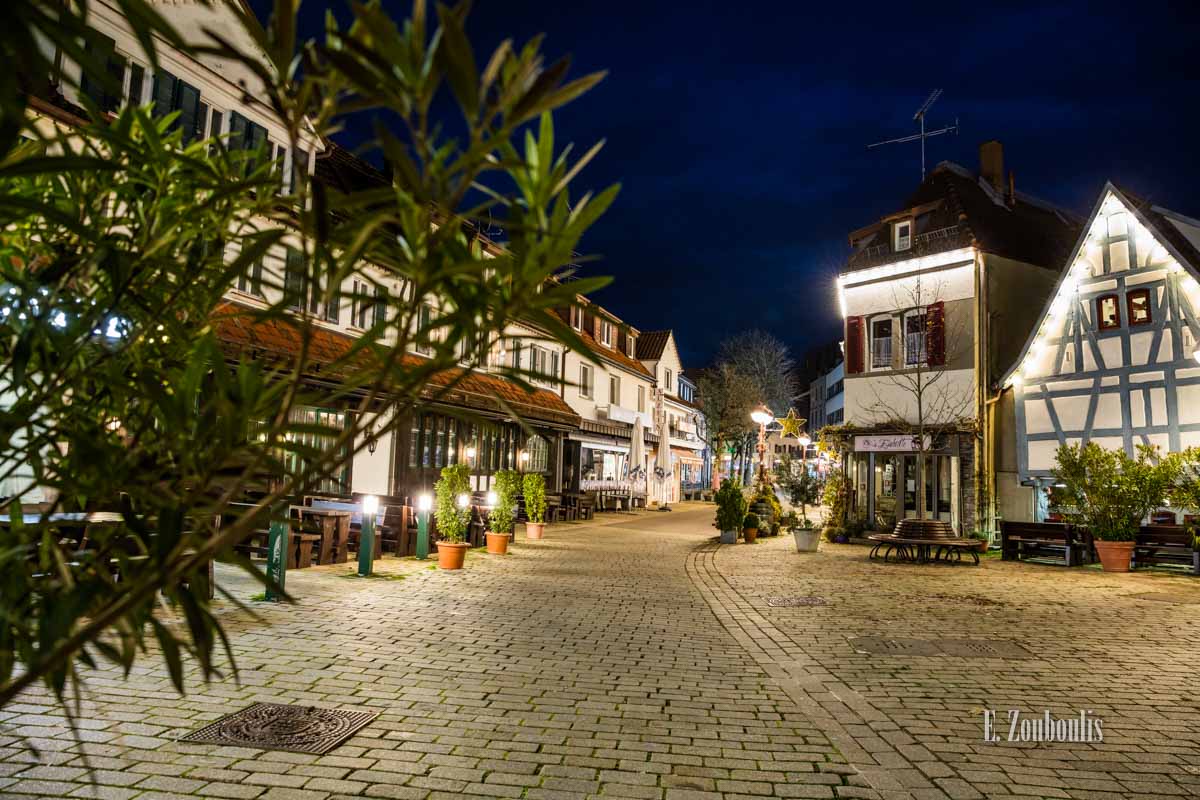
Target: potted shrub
(452, 517)
(731, 510)
(750, 525)
(804, 532)
(834, 534)
(503, 517)
(535, 505)
(1110, 492)
(982, 540)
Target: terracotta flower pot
(982, 545)
(751, 534)
(451, 554)
(1114, 556)
(534, 530)
(497, 543)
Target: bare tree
(726, 397)
(767, 362)
(930, 346)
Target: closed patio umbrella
(662, 462)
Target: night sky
(739, 131)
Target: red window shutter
(935, 345)
(854, 345)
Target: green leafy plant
(507, 486)
(790, 520)
(452, 521)
(731, 506)
(535, 497)
(833, 533)
(750, 521)
(835, 497)
(1110, 492)
(801, 486)
(120, 242)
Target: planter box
(728, 537)
(807, 539)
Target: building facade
(680, 415)
(1113, 357)
(935, 298)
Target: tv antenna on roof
(924, 134)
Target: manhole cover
(296, 729)
(881, 646)
(982, 648)
(796, 602)
(960, 648)
(1163, 597)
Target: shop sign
(890, 443)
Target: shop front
(887, 483)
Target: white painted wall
(871, 398)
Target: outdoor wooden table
(335, 532)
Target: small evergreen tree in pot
(535, 505)
(731, 510)
(507, 486)
(750, 525)
(452, 519)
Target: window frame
(586, 381)
(641, 399)
(907, 239)
(1130, 296)
(1100, 324)
(871, 323)
(922, 315)
(606, 331)
(614, 390)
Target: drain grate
(796, 602)
(296, 729)
(1165, 597)
(959, 648)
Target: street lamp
(762, 415)
(424, 504)
(366, 536)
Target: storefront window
(335, 422)
(539, 454)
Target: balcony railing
(922, 244)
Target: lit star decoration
(790, 425)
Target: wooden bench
(1055, 541)
(923, 550)
(1165, 545)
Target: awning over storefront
(613, 430)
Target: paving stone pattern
(635, 658)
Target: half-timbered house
(1113, 358)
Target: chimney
(991, 164)
(1012, 189)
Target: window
(103, 50)
(614, 390)
(515, 346)
(250, 281)
(1138, 307)
(539, 454)
(172, 94)
(1108, 312)
(299, 168)
(606, 331)
(641, 399)
(314, 439)
(246, 135)
(294, 279)
(577, 318)
(668, 386)
(630, 346)
(361, 305)
(423, 333)
(881, 343)
(585, 380)
(914, 339)
(137, 83)
(902, 235)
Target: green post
(422, 535)
(366, 546)
(277, 550)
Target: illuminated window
(1138, 302)
(914, 339)
(1108, 313)
(539, 454)
(902, 235)
(881, 343)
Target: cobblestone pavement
(635, 658)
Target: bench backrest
(1049, 531)
(1164, 534)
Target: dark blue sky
(739, 131)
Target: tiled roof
(651, 344)
(240, 332)
(964, 210)
(611, 354)
(339, 168)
